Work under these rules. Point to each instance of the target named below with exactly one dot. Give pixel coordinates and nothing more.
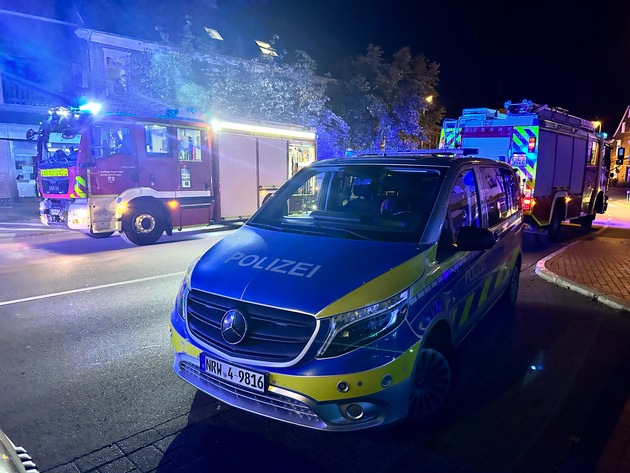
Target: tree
(178, 76)
(372, 104)
(386, 104)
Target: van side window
(502, 195)
(463, 208)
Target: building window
(623, 127)
(115, 69)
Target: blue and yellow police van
(338, 304)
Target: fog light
(343, 387)
(354, 411)
(387, 380)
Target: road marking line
(31, 229)
(91, 288)
(24, 224)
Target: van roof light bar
(414, 152)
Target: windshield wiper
(343, 230)
(267, 226)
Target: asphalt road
(87, 383)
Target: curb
(543, 272)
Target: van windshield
(379, 203)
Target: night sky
(555, 52)
(569, 54)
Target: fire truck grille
(272, 335)
(55, 185)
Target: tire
(98, 236)
(431, 383)
(553, 231)
(142, 225)
(508, 298)
(587, 222)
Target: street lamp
(597, 125)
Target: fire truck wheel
(142, 225)
(98, 236)
(553, 231)
(587, 222)
(431, 383)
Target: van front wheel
(508, 298)
(431, 383)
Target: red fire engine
(142, 177)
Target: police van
(337, 306)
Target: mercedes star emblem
(233, 327)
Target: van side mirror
(474, 239)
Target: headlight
(184, 288)
(352, 330)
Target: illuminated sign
(53, 172)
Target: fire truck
(102, 173)
(562, 162)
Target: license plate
(519, 160)
(246, 378)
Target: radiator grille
(273, 335)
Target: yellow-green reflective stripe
(80, 187)
(484, 292)
(466, 311)
(380, 288)
(324, 388)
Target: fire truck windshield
(61, 150)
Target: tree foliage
(373, 103)
(387, 104)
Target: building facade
(621, 141)
(70, 65)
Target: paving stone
(138, 441)
(99, 458)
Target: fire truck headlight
(357, 328)
(78, 216)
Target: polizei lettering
(275, 265)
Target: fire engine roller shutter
(578, 169)
(544, 168)
(273, 162)
(237, 175)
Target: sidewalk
(25, 211)
(598, 266)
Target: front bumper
(374, 397)
(70, 214)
